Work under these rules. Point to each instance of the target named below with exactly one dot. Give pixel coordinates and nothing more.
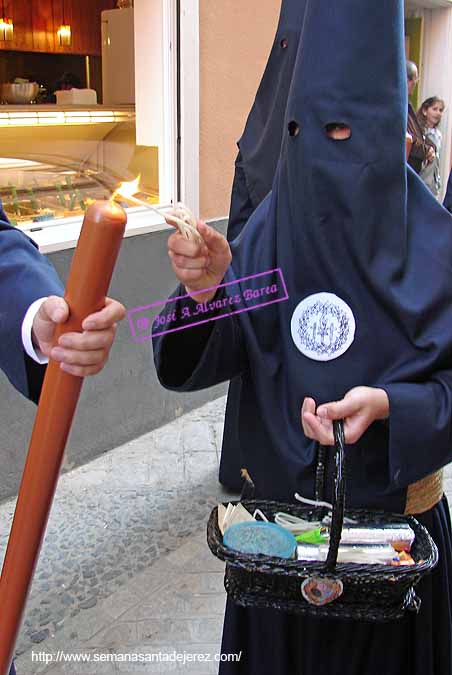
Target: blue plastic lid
(257, 537)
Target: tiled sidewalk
(176, 606)
(125, 567)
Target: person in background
(30, 310)
(422, 151)
(255, 166)
(429, 115)
(68, 81)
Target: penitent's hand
(200, 266)
(83, 353)
(359, 408)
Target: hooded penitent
(260, 147)
(366, 252)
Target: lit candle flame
(180, 217)
(128, 188)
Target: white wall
(149, 71)
(436, 69)
(437, 73)
(155, 67)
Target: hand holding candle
(79, 353)
(89, 278)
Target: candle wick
(134, 200)
(186, 229)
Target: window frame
(179, 155)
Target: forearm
(205, 353)
(25, 276)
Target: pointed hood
(365, 249)
(260, 143)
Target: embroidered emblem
(320, 591)
(323, 327)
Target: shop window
(59, 156)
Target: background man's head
(412, 76)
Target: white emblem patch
(323, 327)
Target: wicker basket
(328, 589)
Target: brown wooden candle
(88, 282)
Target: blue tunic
(259, 149)
(349, 219)
(25, 276)
(448, 197)
(260, 144)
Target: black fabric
(242, 206)
(231, 461)
(274, 643)
(194, 341)
(448, 197)
(254, 172)
(35, 377)
(260, 143)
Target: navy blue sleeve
(420, 428)
(25, 276)
(448, 197)
(200, 356)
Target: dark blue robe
(260, 144)
(350, 219)
(259, 150)
(25, 276)
(448, 197)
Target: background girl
(430, 114)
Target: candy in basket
(364, 572)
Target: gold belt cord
(424, 494)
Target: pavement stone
(125, 569)
(113, 526)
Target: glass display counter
(55, 162)
(35, 194)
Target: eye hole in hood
(338, 131)
(294, 128)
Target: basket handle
(338, 501)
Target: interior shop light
(6, 25)
(64, 32)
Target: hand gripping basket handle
(338, 501)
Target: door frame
(189, 109)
